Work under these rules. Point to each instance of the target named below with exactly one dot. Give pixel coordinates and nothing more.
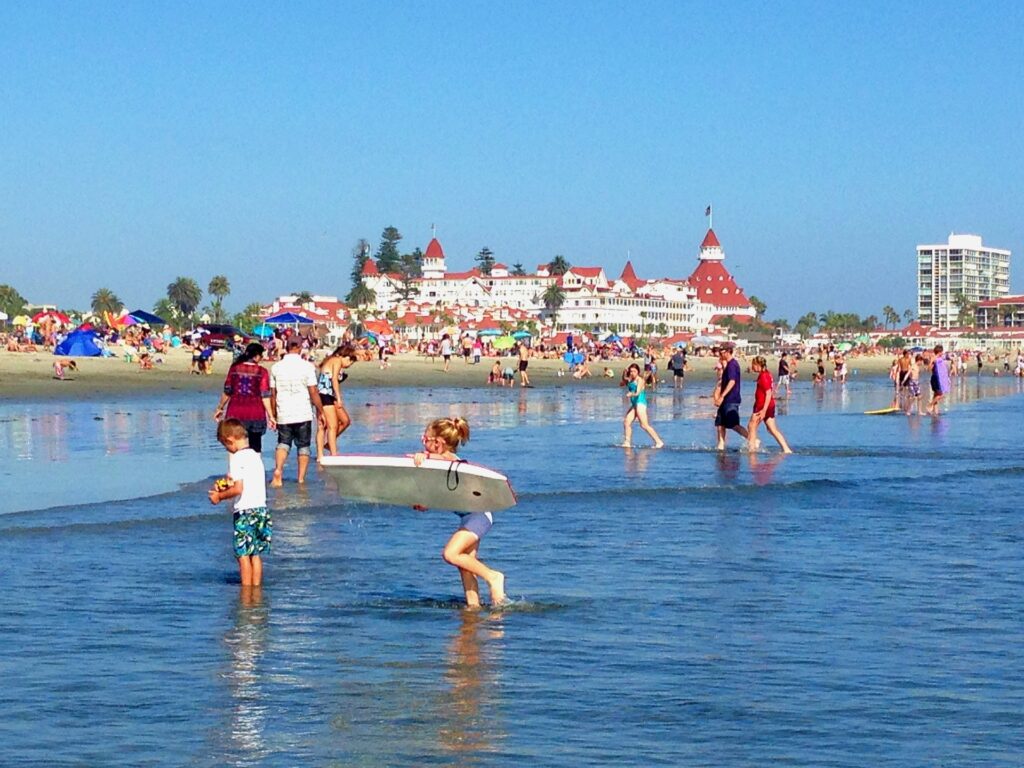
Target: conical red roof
(629, 277)
(370, 268)
(715, 285)
(710, 240)
(434, 250)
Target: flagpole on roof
(710, 213)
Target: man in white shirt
(293, 397)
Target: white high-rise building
(960, 270)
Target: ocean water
(857, 603)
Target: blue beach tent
(79, 344)
(143, 316)
(288, 318)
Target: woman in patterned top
(247, 396)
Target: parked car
(219, 335)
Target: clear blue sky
(142, 141)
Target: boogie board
(453, 486)
(883, 411)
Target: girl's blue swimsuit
(634, 398)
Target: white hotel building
(593, 301)
(962, 265)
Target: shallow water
(857, 603)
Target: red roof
(1001, 300)
(499, 265)
(434, 250)
(741, 319)
(710, 240)
(629, 277)
(370, 268)
(716, 286)
(585, 271)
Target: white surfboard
(453, 486)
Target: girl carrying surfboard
(440, 441)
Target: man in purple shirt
(727, 397)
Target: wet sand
(29, 376)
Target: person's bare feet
(497, 585)
(276, 481)
(659, 444)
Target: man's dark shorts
(301, 434)
(523, 364)
(728, 415)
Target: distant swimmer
(634, 383)
(440, 441)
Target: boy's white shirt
(247, 466)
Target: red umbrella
(51, 314)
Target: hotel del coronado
(594, 302)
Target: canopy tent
(142, 316)
(79, 344)
(521, 335)
(489, 332)
(287, 318)
(263, 331)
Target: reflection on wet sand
(470, 723)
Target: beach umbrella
(489, 332)
(680, 344)
(288, 318)
(263, 331)
(503, 342)
(142, 316)
(521, 335)
(612, 338)
(51, 314)
(22, 320)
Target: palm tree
(165, 308)
(554, 298)
(105, 300)
(517, 270)
(185, 294)
(908, 315)
(249, 317)
(558, 266)
(891, 316)
(361, 295)
(218, 288)
(303, 297)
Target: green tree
(559, 265)
(303, 297)
(249, 317)
(908, 315)
(361, 295)
(410, 269)
(869, 323)
(890, 316)
(12, 303)
(661, 329)
(554, 298)
(185, 294)
(165, 309)
(964, 309)
(781, 324)
(517, 270)
(486, 260)
(388, 258)
(218, 288)
(892, 342)
(759, 307)
(105, 300)
(807, 324)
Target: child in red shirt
(764, 407)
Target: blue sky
(142, 141)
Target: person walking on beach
(783, 375)
(446, 351)
(764, 408)
(727, 398)
(677, 364)
(524, 362)
(336, 418)
(293, 383)
(246, 396)
(246, 482)
(440, 441)
(939, 380)
(633, 381)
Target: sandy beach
(30, 375)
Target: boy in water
(246, 482)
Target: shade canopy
(263, 331)
(521, 335)
(142, 316)
(489, 332)
(288, 318)
(79, 344)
